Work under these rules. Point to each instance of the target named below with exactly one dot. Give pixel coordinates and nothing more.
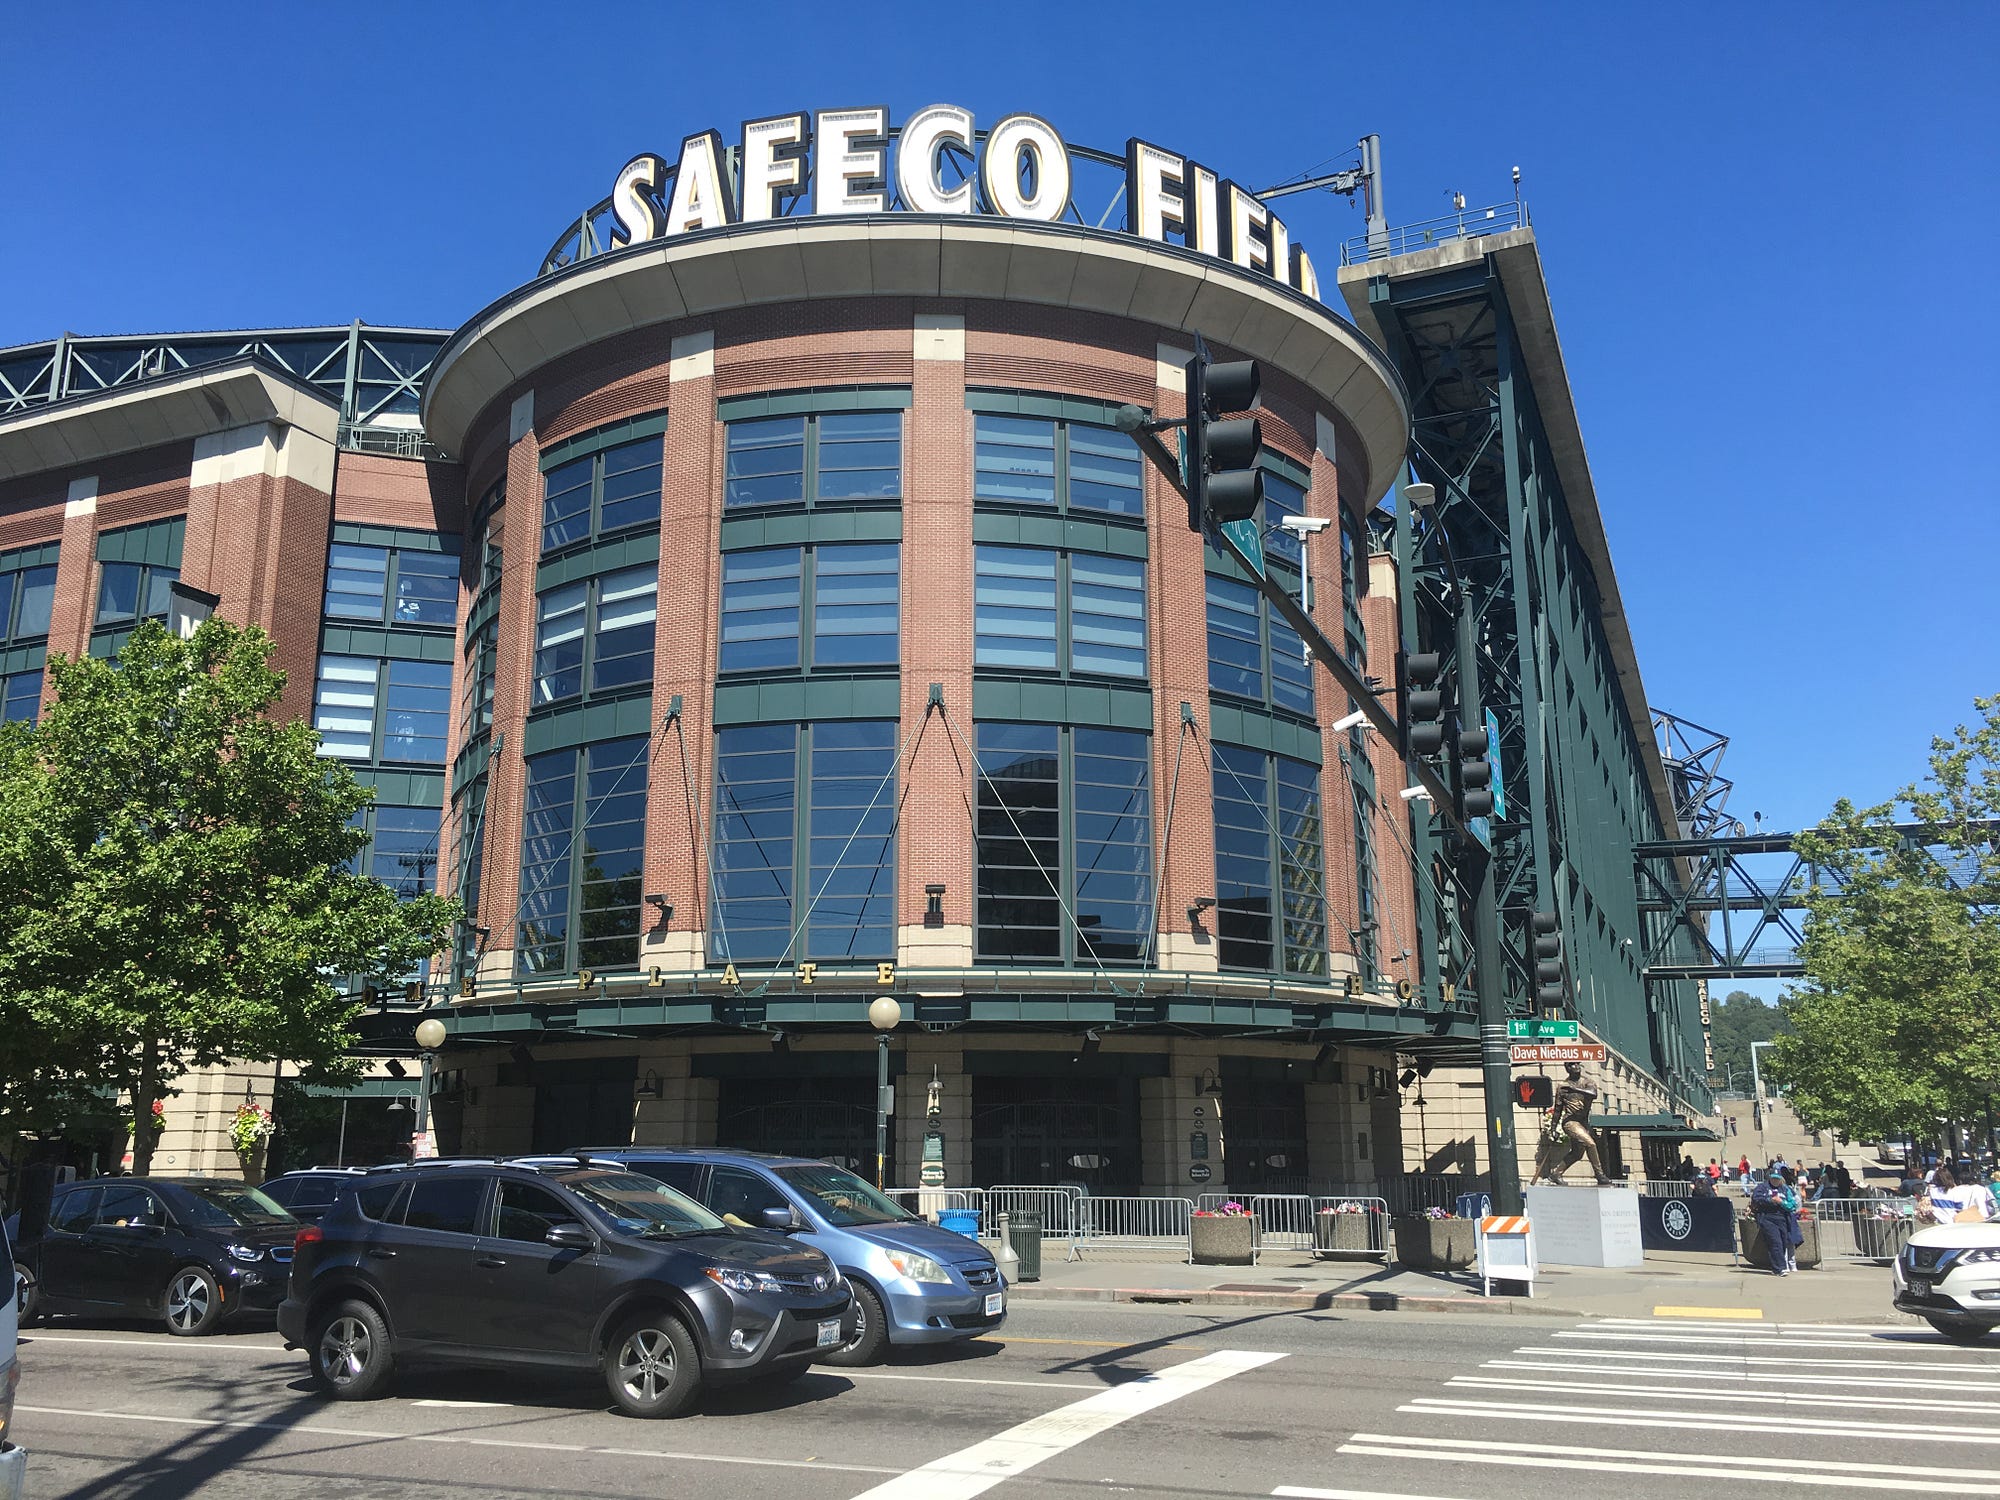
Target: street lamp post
(430, 1037)
(885, 1015)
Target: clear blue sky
(1767, 230)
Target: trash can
(1025, 1233)
(963, 1221)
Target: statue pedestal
(1585, 1226)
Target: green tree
(176, 886)
(1736, 1021)
(1895, 1026)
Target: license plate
(1920, 1289)
(829, 1333)
(994, 1302)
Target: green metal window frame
(1064, 602)
(13, 566)
(1064, 412)
(564, 837)
(807, 601)
(154, 547)
(593, 446)
(394, 542)
(811, 405)
(1295, 860)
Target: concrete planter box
(1347, 1236)
(1751, 1236)
(1436, 1244)
(1882, 1239)
(1223, 1239)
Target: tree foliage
(176, 886)
(1896, 1026)
(1736, 1021)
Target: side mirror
(779, 1218)
(570, 1237)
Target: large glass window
(130, 592)
(1269, 864)
(841, 457)
(370, 709)
(1064, 829)
(833, 605)
(828, 836)
(583, 845)
(1252, 652)
(391, 585)
(403, 851)
(1019, 622)
(1045, 462)
(475, 692)
(598, 632)
(27, 596)
(1368, 914)
(602, 492)
(21, 696)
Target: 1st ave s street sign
(1556, 1052)
(1541, 1031)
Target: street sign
(1556, 1052)
(1541, 1031)
(1200, 1172)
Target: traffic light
(1536, 1091)
(1223, 480)
(1551, 985)
(1423, 701)
(1475, 774)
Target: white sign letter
(1249, 228)
(773, 164)
(632, 207)
(1154, 200)
(701, 194)
(1207, 233)
(848, 163)
(918, 178)
(1007, 144)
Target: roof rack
(548, 1163)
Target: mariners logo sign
(1677, 1219)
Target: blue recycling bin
(1473, 1205)
(963, 1221)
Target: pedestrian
(1743, 1170)
(1775, 1207)
(1953, 1202)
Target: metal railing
(1871, 1229)
(1657, 1187)
(1464, 224)
(1131, 1222)
(397, 442)
(927, 1201)
(1413, 1192)
(1056, 1205)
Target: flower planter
(1223, 1239)
(1883, 1239)
(252, 1162)
(1436, 1244)
(1347, 1237)
(1751, 1235)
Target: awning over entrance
(1661, 1127)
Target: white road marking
(183, 1346)
(1790, 1378)
(1795, 1328)
(1746, 1341)
(1301, 1492)
(1700, 1421)
(1767, 1398)
(1031, 1385)
(369, 1435)
(1829, 1474)
(1661, 1356)
(975, 1470)
(468, 1405)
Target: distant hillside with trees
(1738, 1020)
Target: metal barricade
(1866, 1229)
(1056, 1205)
(1656, 1187)
(1284, 1220)
(1130, 1222)
(928, 1201)
(1333, 1236)
(1413, 1192)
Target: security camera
(1304, 526)
(1342, 725)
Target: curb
(1283, 1301)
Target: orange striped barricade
(1506, 1252)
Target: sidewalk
(1711, 1283)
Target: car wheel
(348, 1346)
(652, 1367)
(193, 1302)
(1958, 1331)
(27, 1295)
(871, 1334)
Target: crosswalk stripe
(1665, 1355)
(1796, 1328)
(1758, 1461)
(1757, 1341)
(1762, 1398)
(1873, 1381)
(1701, 1421)
(1303, 1492)
(1720, 1469)
(1750, 1314)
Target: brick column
(1381, 617)
(1177, 609)
(76, 573)
(684, 654)
(513, 686)
(937, 778)
(1336, 795)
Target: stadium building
(759, 614)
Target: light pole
(430, 1037)
(885, 1015)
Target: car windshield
(844, 1199)
(641, 1205)
(217, 1205)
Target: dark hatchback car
(190, 1251)
(558, 1264)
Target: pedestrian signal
(1535, 1092)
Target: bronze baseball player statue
(1566, 1131)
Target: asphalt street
(1068, 1400)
